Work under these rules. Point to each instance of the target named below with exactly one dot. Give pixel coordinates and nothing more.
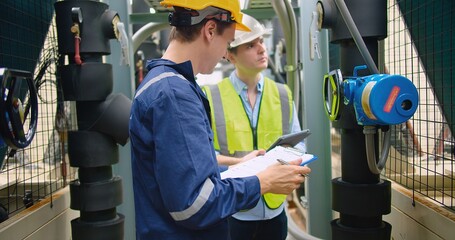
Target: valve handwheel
(18, 108)
(332, 94)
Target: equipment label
(391, 99)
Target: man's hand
(232, 161)
(282, 179)
(252, 155)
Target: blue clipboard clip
(306, 161)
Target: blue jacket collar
(184, 68)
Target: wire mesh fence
(28, 42)
(420, 46)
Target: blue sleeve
(186, 169)
(222, 168)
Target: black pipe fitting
(84, 28)
(110, 116)
(370, 18)
(91, 149)
(91, 81)
(96, 29)
(112, 229)
(366, 200)
(96, 196)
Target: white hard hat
(257, 30)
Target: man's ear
(209, 29)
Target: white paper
(257, 164)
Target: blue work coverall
(178, 193)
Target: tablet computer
(290, 139)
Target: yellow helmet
(232, 6)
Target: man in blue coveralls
(178, 191)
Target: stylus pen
(286, 163)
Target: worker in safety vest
(178, 190)
(249, 112)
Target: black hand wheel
(18, 108)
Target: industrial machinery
(359, 105)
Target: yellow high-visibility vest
(233, 134)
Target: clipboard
(291, 139)
(259, 163)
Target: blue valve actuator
(381, 99)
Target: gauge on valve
(332, 94)
(18, 108)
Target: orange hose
(77, 56)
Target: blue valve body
(381, 99)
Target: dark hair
(190, 33)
